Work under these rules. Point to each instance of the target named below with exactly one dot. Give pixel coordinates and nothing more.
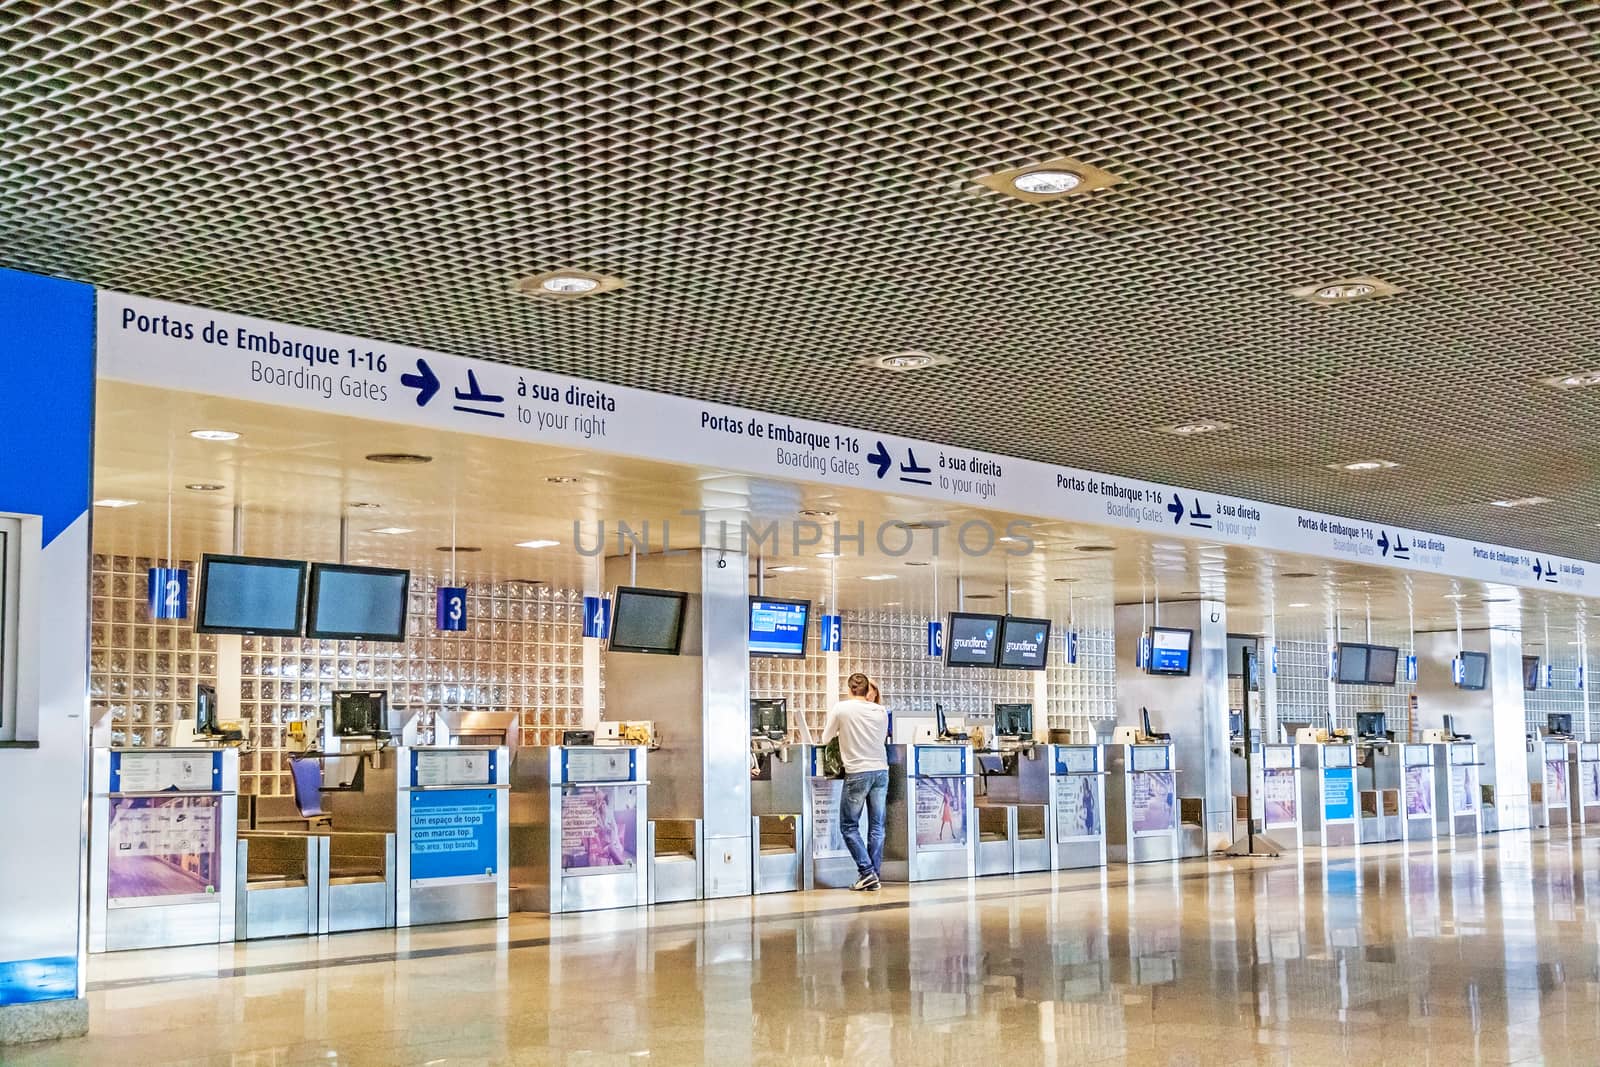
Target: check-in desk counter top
(1329, 808)
(777, 830)
(1378, 785)
(932, 816)
(581, 828)
(162, 847)
(452, 819)
(826, 863)
(1584, 764)
(1419, 793)
(1142, 811)
(1549, 783)
(1457, 766)
(1077, 806)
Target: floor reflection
(1448, 951)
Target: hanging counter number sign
(169, 593)
(450, 608)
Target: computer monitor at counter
(1013, 720)
(360, 713)
(1372, 726)
(769, 717)
(1558, 724)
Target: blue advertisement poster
(453, 834)
(1338, 793)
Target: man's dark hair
(858, 684)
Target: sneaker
(867, 881)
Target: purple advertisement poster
(162, 850)
(1555, 783)
(1464, 789)
(941, 812)
(1154, 802)
(599, 828)
(1278, 796)
(1419, 792)
(1077, 808)
(1589, 782)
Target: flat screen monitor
(360, 713)
(972, 640)
(1383, 662)
(1013, 720)
(769, 718)
(647, 620)
(1352, 664)
(251, 595)
(1371, 724)
(1024, 643)
(205, 710)
(357, 603)
(1169, 650)
(778, 627)
(1558, 724)
(1235, 724)
(1474, 670)
(1530, 673)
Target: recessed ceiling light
(1199, 426)
(1047, 180)
(917, 563)
(1361, 465)
(361, 562)
(459, 548)
(1094, 548)
(392, 531)
(1497, 599)
(1455, 596)
(1580, 380)
(896, 603)
(1299, 604)
(537, 544)
(827, 555)
(905, 361)
(114, 502)
(365, 505)
(1008, 540)
(214, 435)
(816, 513)
(788, 568)
(1297, 574)
(398, 458)
(568, 284)
(525, 581)
(1519, 502)
(563, 479)
(1344, 291)
(204, 487)
(980, 596)
(1069, 581)
(879, 577)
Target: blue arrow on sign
(425, 382)
(1538, 572)
(1383, 542)
(879, 457)
(1176, 508)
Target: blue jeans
(870, 790)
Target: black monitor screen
(1024, 642)
(1013, 720)
(972, 640)
(1169, 650)
(205, 709)
(647, 620)
(1371, 724)
(251, 595)
(1474, 670)
(769, 718)
(1530, 672)
(1235, 724)
(350, 603)
(360, 714)
(1558, 724)
(1352, 669)
(1383, 663)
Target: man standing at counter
(862, 727)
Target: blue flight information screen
(778, 627)
(1169, 650)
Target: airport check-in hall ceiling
(787, 190)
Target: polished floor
(1482, 951)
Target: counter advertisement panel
(1077, 812)
(941, 812)
(1589, 783)
(1464, 789)
(599, 826)
(454, 835)
(162, 850)
(1280, 796)
(1419, 792)
(1154, 802)
(827, 834)
(1555, 783)
(1338, 794)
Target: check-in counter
(1013, 812)
(777, 797)
(581, 828)
(827, 863)
(1456, 768)
(1272, 798)
(932, 820)
(360, 880)
(452, 819)
(1549, 784)
(279, 883)
(1077, 812)
(1419, 791)
(1378, 779)
(1584, 765)
(1142, 816)
(162, 847)
(1328, 803)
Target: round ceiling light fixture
(1360, 466)
(1351, 291)
(213, 435)
(459, 548)
(1197, 427)
(114, 502)
(365, 505)
(399, 459)
(204, 487)
(567, 284)
(1047, 182)
(1344, 291)
(816, 513)
(1094, 548)
(901, 362)
(563, 479)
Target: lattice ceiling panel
(788, 187)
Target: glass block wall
(522, 652)
(1563, 695)
(1302, 681)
